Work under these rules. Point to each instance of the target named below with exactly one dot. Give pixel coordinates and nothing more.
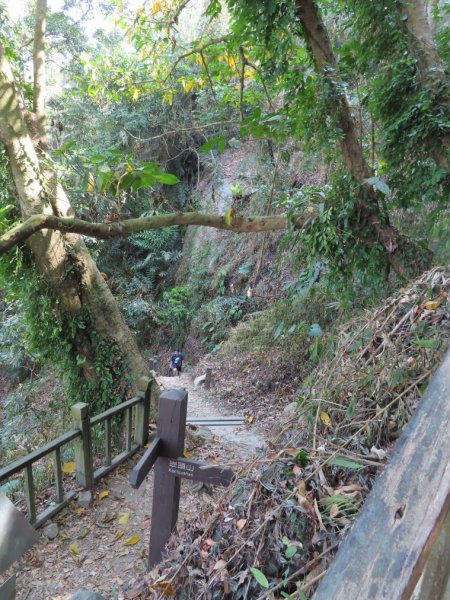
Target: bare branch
(120, 229)
(198, 50)
(174, 19)
(183, 129)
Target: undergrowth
(277, 528)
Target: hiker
(176, 362)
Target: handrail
(21, 463)
(137, 409)
(107, 414)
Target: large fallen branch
(118, 229)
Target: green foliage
(69, 343)
(337, 244)
(174, 309)
(212, 322)
(237, 191)
(414, 114)
(115, 171)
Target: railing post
(208, 378)
(83, 446)
(143, 412)
(156, 363)
(30, 493)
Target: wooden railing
(136, 413)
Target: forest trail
(104, 548)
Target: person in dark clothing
(176, 362)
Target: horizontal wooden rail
(402, 521)
(115, 410)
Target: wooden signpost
(166, 454)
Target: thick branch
(118, 229)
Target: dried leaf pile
(274, 532)
(365, 396)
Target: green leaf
(301, 459)
(340, 461)
(218, 143)
(260, 577)
(431, 344)
(290, 551)
(278, 330)
(167, 178)
(380, 185)
(315, 330)
(245, 269)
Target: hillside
(263, 186)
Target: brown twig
(208, 75)
(212, 42)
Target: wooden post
(143, 412)
(171, 427)
(58, 475)
(29, 493)
(208, 378)
(83, 446)
(156, 363)
(166, 453)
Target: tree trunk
(321, 51)
(418, 26)
(431, 68)
(63, 259)
(39, 67)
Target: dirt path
(105, 548)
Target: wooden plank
(197, 471)
(385, 552)
(142, 469)
(58, 476)
(143, 412)
(171, 427)
(19, 465)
